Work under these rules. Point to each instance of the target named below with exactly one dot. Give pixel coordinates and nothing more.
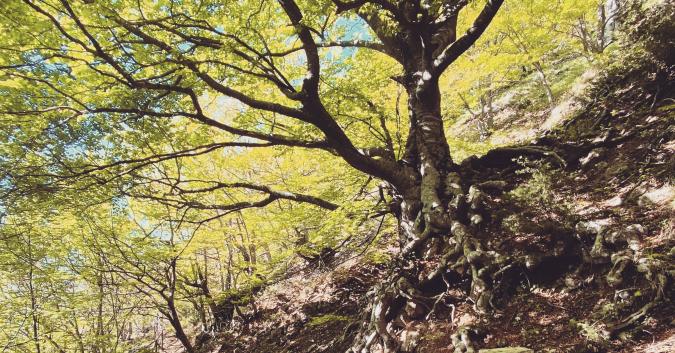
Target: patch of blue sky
(354, 29)
(37, 62)
(162, 234)
(213, 7)
(120, 204)
(185, 47)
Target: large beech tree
(128, 68)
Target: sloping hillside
(588, 212)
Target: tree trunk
(33, 299)
(608, 20)
(178, 327)
(544, 82)
(423, 206)
(99, 308)
(220, 318)
(33, 311)
(438, 215)
(426, 212)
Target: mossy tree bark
(431, 201)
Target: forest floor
(616, 199)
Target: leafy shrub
(538, 190)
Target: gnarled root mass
(465, 264)
(429, 267)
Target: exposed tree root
(456, 246)
(655, 272)
(400, 300)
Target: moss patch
(326, 319)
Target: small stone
(663, 196)
(593, 227)
(593, 156)
(633, 235)
(636, 228)
(409, 339)
(507, 350)
(615, 201)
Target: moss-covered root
(657, 272)
(399, 300)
